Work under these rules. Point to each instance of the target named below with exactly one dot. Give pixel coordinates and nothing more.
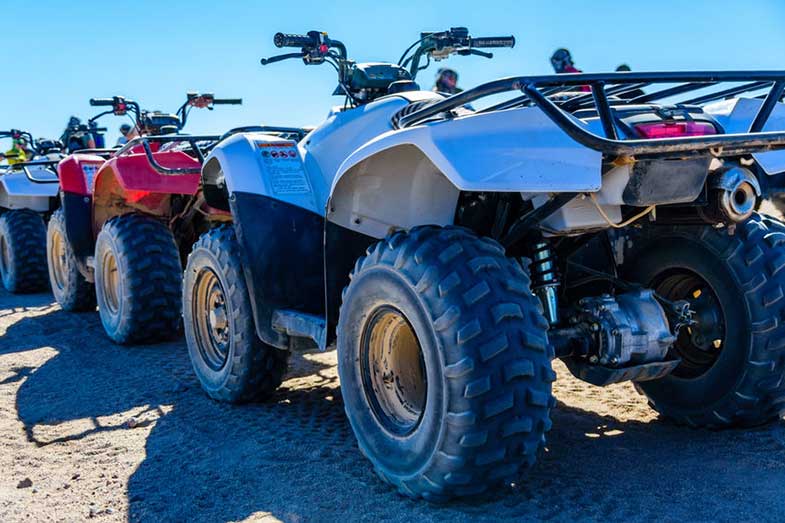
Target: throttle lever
(280, 57)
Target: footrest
(601, 376)
(294, 323)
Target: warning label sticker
(283, 166)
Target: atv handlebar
(227, 101)
(315, 48)
(456, 40)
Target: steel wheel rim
(393, 371)
(209, 310)
(698, 346)
(110, 282)
(59, 262)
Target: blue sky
(59, 54)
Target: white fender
(266, 165)
(736, 116)
(413, 176)
(18, 192)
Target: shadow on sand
(295, 457)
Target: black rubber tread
(255, 369)
(495, 351)
(151, 280)
(25, 234)
(77, 294)
(754, 257)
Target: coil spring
(543, 266)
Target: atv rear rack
(557, 96)
(289, 133)
(191, 140)
(104, 152)
(24, 167)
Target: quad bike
(114, 225)
(28, 195)
(451, 253)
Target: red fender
(77, 173)
(136, 175)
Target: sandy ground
(92, 430)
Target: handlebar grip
(292, 40)
(227, 101)
(101, 101)
(493, 41)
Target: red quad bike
(119, 223)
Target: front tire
(444, 363)
(23, 251)
(70, 288)
(733, 359)
(231, 362)
(138, 280)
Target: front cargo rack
(599, 94)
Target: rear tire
(733, 360)
(70, 288)
(23, 251)
(231, 362)
(138, 280)
(474, 411)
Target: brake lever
(280, 57)
(480, 53)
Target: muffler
(736, 194)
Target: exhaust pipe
(737, 192)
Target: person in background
(447, 81)
(125, 130)
(562, 63)
(561, 60)
(77, 136)
(629, 95)
(18, 152)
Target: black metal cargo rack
(25, 168)
(208, 142)
(560, 96)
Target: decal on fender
(283, 167)
(89, 170)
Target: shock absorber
(545, 280)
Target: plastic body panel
(281, 250)
(77, 173)
(134, 172)
(505, 151)
(736, 116)
(17, 191)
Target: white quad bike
(28, 195)
(451, 253)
